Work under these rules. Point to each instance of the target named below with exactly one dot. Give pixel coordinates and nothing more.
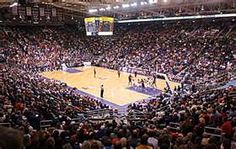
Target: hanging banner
(28, 11)
(14, 10)
(41, 12)
(54, 12)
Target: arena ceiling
(147, 8)
(123, 9)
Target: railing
(100, 113)
(5, 124)
(174, 126)
(219, 79)
(232, 94)
(100, 120)
(77, 121)
(103, 115)
(50, 123)
(45, 124)
(212, 131)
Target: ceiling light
(116, 7)
(125, 5)
(108, 8)
(92, 10)
(133, 4)
(202, 8)
(102, 9)
(14, 4)
(152, 1)
(143, 3)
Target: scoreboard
(99, 26)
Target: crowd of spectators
(205, 50)
(30, 96)
(190, 53)
(190, 112)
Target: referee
(130, 79)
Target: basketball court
(116, 90)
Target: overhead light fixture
(14, 4)
(92, 10)
(202, 8)
(108, 8)
(143, 3)
(133, 4)
(165, 1)
(195, 17)
(102, 9)
(152, 1)
(125, 5)
(116, 7)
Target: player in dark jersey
(142, 83)
(154, 81)
(94, 73)
(118, 72)
(102, 91)
(130, 79)
(135, 74)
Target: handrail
(213, 131)
(5, 124)
(45, 123)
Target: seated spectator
(144, 143)
(10, 138)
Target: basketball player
(142, 83)
(130, 79)
(94, 73)
(64, 67)
(118, 73)
(102, 91)
(135, 74)
(154, 81)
